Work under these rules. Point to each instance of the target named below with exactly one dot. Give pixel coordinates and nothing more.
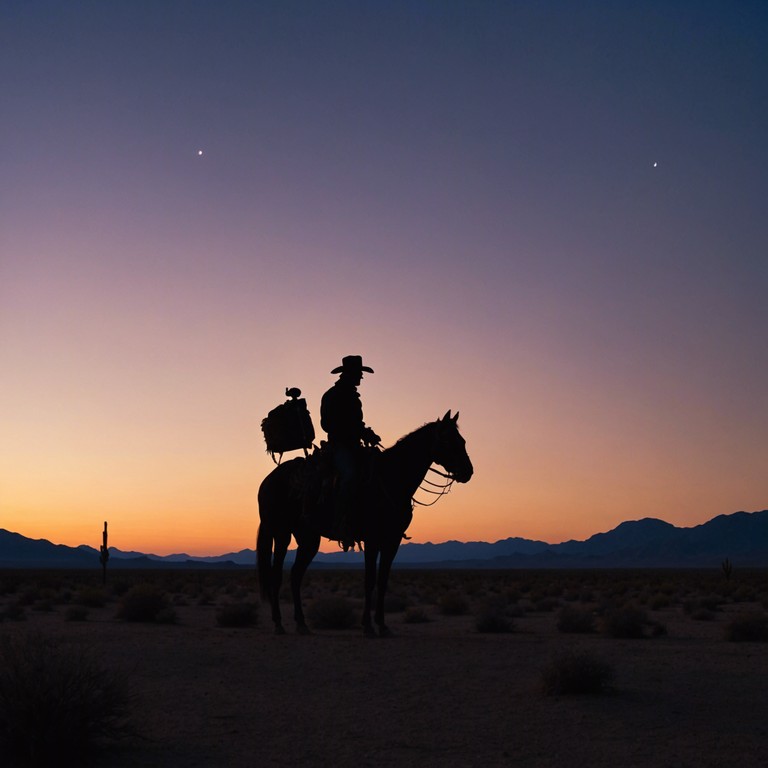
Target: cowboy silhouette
(341, 416)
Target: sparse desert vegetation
(480, 660)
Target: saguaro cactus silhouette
(104, 556)
(727, 568)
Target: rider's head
(351, 369)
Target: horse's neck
(408, 460)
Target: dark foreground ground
(441, 692)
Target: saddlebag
(289, 426)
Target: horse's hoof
(279, 629)
(303, 629)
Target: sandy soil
(436, 694)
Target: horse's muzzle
(464, 475)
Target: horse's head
(451, 449)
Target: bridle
(441, 488)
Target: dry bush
(334, 612)
(747, 627)
(56, 702)
(626, 622)
(415, 614)
(144, 602)
(492, 617)
(453, 604)
(92, 597)
(576, 673)
(394, 603)
(576, 620)
(14, 611)
(76, 613)
(237, 615)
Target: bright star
(200, 153)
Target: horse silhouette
(387, 509)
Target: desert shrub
(334, 612)
(44, 605)
(93, 597)
(658, 601)
(237, 615)
(575, 620)
(747, 627)
(453, 604)
(15, 611)
(76, 613)
(545, 604)
(702, 608)
(56, 702)
(144, 602)
(415, 614)
(624, 622)
(394, 603)
(205, 598)
(576, 673)
(490, 621)
(657, 629)
(492, 615)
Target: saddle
(318, 488)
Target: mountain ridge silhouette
(649, 542)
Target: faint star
(654, 165)
(200, 153)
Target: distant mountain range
(649, 543)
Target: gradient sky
(550, 216)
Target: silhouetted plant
(575, 620)
(546, 604)
(93, 597)
(658, 601)
(15, 611)
(76, 613)
(237, 615)
(453, 604)
(747, 627)
(625, 622)
(145, 602)
(395, 603)
(727, 568)
(56, 702)
(492, 617)
(415, 614)
(334, 612)
(576, 673)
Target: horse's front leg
(305, 553)
(371, 555)
(388, 553)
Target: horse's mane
(413, 432)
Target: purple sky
(549, 216)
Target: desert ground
(466, 680)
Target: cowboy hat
(352, 364)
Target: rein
(443, 489)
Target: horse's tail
(264, 541)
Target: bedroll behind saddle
(289, 426)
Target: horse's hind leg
(305, 553)
(385, 566)
(371, 554)
(281, 548)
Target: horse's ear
(447, 415)
(456, 417)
